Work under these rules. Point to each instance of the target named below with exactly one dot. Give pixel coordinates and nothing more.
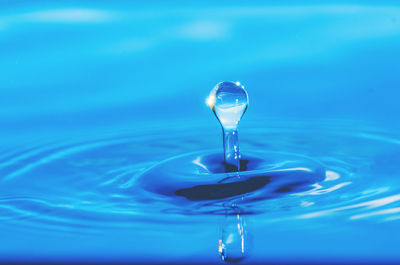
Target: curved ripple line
(13, 205)
(25, 155)
(60, 154)
(369, 204)
(375, 213)
(318, 189)
(125, 171)
(379, 138)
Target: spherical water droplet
(229, 102)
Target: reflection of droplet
(232, 245)
(229, 102)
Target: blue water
(108, 152)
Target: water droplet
(229, 101)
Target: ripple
(200, 176)
(116, 182)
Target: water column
(229, 101)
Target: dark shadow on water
(241, 187)
(220, 191)
(196, 180)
